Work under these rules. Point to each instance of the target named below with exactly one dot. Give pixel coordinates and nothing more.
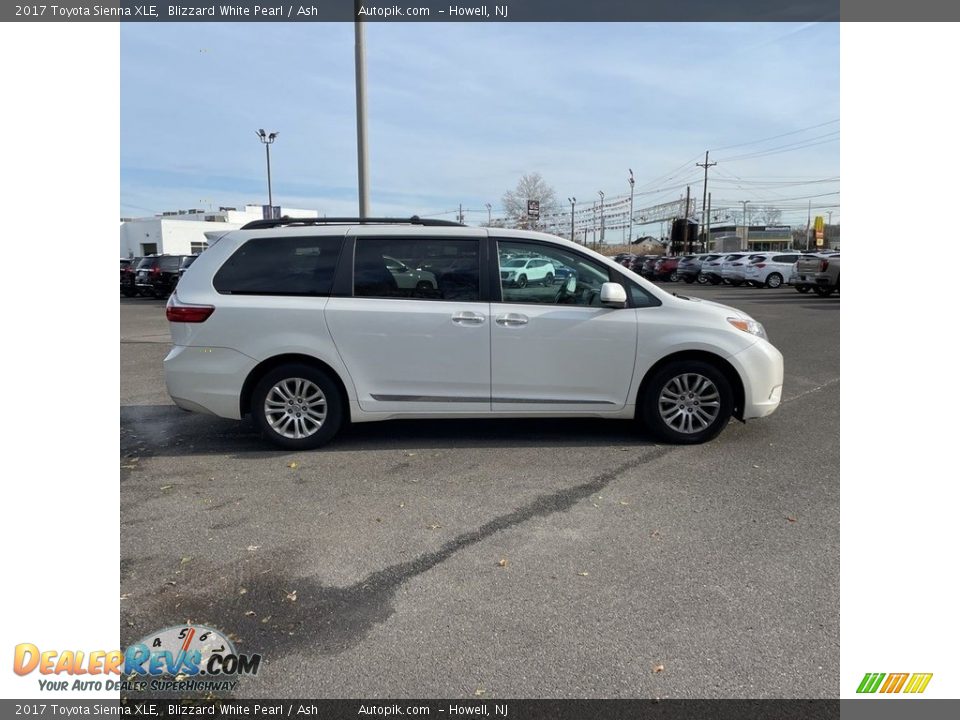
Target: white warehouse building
(186, 232)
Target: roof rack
(413, 220)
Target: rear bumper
(207, 380)
(761, 370)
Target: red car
(666, 269)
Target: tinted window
(147, 263)
(785, 258)
(280, 266)
(426, 269)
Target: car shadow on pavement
(165, 430)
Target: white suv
(770, 269)
(304, 325)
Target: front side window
(280, 266)
(554, 276)
(422, 269)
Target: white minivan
(303, 324)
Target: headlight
(748, 325)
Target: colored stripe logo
(894, 682)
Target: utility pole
(602, 228)
(630, 235)
(460, 214)
(746, 225)
(594, 224)
(573, 205)
(706, 165)
(267, 140)
(489, 208)
(806, 234)
(706, 238)
(360, 66)
(686, 221)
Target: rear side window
(170, 264)
(785, 258)
(421, 269)
(280, 266)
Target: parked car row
(153, 275)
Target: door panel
(561, 358)
(414, 355)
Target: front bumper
(760, 367)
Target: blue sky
(457, 112)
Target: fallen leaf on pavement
(479, 691)
(292, 466)
(252, 548)
(583, 574)
(166, 487)
(266, 619)
(790, 519)
(243, 591)
(503, 562)
(658, 668)
(250, 613)
(292, 595)
(434, 527)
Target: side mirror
(613, 295)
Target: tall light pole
(746, 225)
(600, 193)
(630, 235)
(573, 205)
(360, 65)
(267, 140)
(489, 209)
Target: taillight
(178, 312)
(761, 265)
(155, 270)
(823, 265)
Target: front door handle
(468, 318)
(512, 320)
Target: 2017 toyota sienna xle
(306, 324)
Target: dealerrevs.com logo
(178, 658)
(911, 683)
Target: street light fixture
(267, 140)
(600, 193)
(573, 205)
(489, 208)
(630, 236)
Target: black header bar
(482, 11)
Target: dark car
(128, 276)
(158, 275)
(624, 259)
(688, 269)
(666, 269)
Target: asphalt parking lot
(498, 559)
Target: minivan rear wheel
(687, 402)
(297, 406)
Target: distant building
(755, 238)
(186, 232)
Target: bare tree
(531, 186)
(768, 215)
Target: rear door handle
(512, 320)
(468, 318)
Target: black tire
(128, 293)
(714, 280)
(424, 285)
(654, 386)
(774, 280)
(674, 276)
(522, 281)
(803, 288)
(334, 406)
(548, 280)
(824, 290)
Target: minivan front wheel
(297, 407)
(687, 402)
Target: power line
(774, 137)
